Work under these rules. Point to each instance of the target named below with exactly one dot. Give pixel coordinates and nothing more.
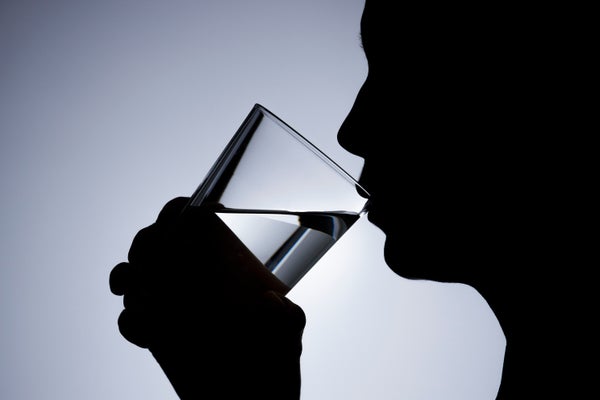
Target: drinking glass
(282, 197)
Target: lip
(373, 213)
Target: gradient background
(108, 109)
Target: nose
(347, 136)
(351, 135)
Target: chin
(409, 260)
(393, 256)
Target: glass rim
(258, 111)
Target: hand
(213, 316)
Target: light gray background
(110, 108)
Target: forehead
(372, 27)
(389, 32)
(412, 37)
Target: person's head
(428, 123)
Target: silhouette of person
(448, 122)
(443, 124)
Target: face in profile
(417, 123)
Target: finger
(120, 278)
(172, 210)
(146, 242)
(145, 245)
(137, 299)
(134, 327)
(281, 311)
(284, 321)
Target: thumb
(280, 310)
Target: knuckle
(144, 244)
(119, 278)
(172, 209)
(134, 328)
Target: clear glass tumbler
(283, 198)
